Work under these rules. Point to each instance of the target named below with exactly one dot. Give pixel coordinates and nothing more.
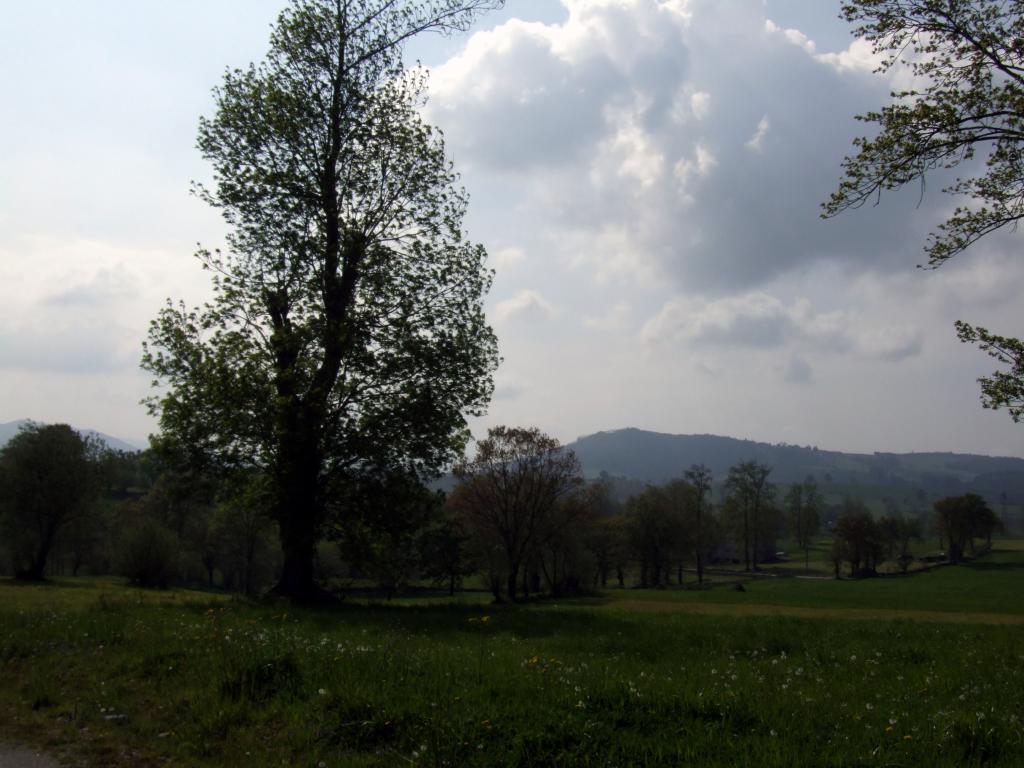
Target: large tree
(346, 334)
(49, 478)
(967, 61)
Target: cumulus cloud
(507, 257)
(637, 135)
(859, 57)
(793, 36)
(525, 305)
(760, 321)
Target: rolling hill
(653, 457)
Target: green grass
(631, 678)
(989, 585)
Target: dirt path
(19, 757)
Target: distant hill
(653, 457)
(10, 429)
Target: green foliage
(379, 535)
(705, 534)
(444, 554)
(657, 530)
(750, 512)
(962, 519)
(969, 65)
(803, 505)
(968, 68)
(346, 334)
(1003, 389)
(897, 532)
(149, 554)
(858, 539)
(49, 478)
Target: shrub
(149, 555)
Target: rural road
(19, 757)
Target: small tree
(444, 553)
(750, 498)
(149, 554)
(657, 536)
(48, 479)
(897, 532)
(858, 539)
(961, 519)
(380, 534)
(605, 538)
(241, 531)
(699, 476)
(803, 505)
(511, 492)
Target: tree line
(521, 518)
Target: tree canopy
(346, 335)
(967, 102)
(512, 492)
(49, 475)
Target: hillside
(653, 457)
(10, 429)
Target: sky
(645, 174)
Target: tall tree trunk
(298, 515)
(36, 570)
(747, 541)
(513, 579)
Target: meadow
(922, 670)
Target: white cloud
(526, 305)
(756, 142)
(616, 318)
(507, 258)
(761, 321)
(792, 36)
(859, 58)
(604, 124)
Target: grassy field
(924, 670)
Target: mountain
(11, 428)
(653, 457)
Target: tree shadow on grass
(989, 566)
(10, 581)
(525, 621)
